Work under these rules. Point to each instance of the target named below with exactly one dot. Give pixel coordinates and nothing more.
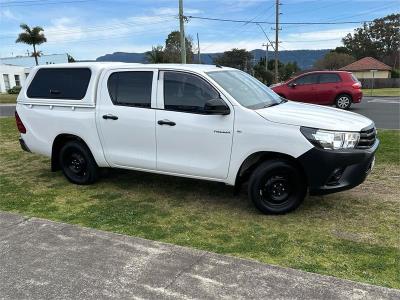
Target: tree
(288, 70)
(334, 61)
(70, 58)
(172, 52)
(156, 55)
(379, 39)
(32, 36)
(235, 58)
(265, 76)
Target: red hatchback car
(322, 87)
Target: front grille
(367, 138)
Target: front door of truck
(125, 118)
(189, 141)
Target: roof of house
(366, 63)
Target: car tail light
(356, 85)
(20, 125)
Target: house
(15, 70)
(29, 61)
(368, 67)
(11, 76)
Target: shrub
(14, 90)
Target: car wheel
(78, 164)
(277, 187)
(343, 102)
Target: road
(41, 259)
(385, 111)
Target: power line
(34, 3)
(283, 23)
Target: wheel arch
(255, 159)
(58, 142)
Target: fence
(380, 83)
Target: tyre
(77, 163)
(277, 187)
(343, 101)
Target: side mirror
(292, 84)
(216, 106)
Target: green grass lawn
(382, 92)
(353, 234)
(8, 98)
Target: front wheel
(343, 101)
(277, 187)
(77, 163)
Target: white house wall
(11, 71)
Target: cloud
(173, 11)
(6, 14)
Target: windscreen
(246, 90)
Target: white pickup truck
(198, 121)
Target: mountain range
(305, 58)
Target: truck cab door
(126, 119)
(190, 141)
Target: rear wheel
(77, 163)
(277, 187)
(343, 101)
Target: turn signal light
(356, 85)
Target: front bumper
(321, 166)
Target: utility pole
(276, 40)
(266, 55)
(182, 32)
(198, 49)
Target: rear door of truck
(125, 118)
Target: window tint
(57, 83)
(186, 92)
(307, 79)
(131, 88)
(329, 77)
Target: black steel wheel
(77, 163)
(277, 187)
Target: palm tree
(32, 36)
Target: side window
(186, 92)
(307, 79)
(131, 88)
(60, 83)
(329, 78)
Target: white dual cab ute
(199, 121)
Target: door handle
(111, 117)
(166, 122)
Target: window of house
(6, 78)
(186, 92)
(132, 88)
(17, 80)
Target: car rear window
(355, 79)
(329, 77)
(60, 83)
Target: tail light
(20, 125)
(356, 85)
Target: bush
(395, 73)
(14, 90)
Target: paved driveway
(41, 259)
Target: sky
(87, 29)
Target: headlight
(331, 140)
